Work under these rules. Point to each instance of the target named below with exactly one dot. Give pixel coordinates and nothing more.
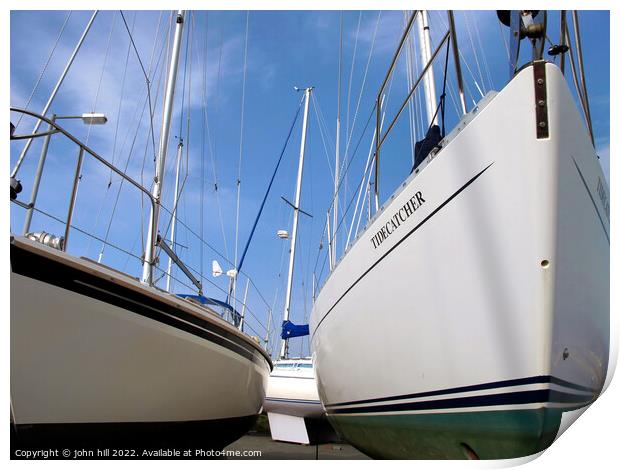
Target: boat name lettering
(397, 219)
(602, 194)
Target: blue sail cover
(290, 330)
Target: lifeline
(399, 217)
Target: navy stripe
(512, 398)
(426, 219)
(564, 383)
(293, 401)
(540, 379)
(50, 271)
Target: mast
(332, 243)
(173, 226)
(457, 61)
(291, 263)
(151, 243)
(429, 78)
(329, 244)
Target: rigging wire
(207, 127)
(120, 187)
(346, 169)
(367, 171)
(303, 289)
(209, 281)
(389, 90)
(63, 75)
(123, 145)
(347, 133)
(84, 232)
(103, 65)
(120, 100)
(146, 77)
(320, 125)
(386, 99)
(334, 242)
(350, 136)
(192, 39)
(471, 73)
(179, 190)
(411, 104)
(45, 65)
(280, 278)
(260, 210)
(330, 141)
(158, 89)
(450, 84)
(203, 96)
(187, 60)
(96, 99)
(485, 63)
(214, 151)
(94, 106)
(188, 53)
(245, 56)
(473, 50)
(199, 238)
(359, 99)
(239, 266)
(194, 270)
(359, 21)
(118, 118)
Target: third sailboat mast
(291, 263)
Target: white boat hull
(293, 392)
(96, 358)
(292, 404)
(469, 323)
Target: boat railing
(55, 128)
(239, 313)
(236, 310)
(449, 35)
(383, 128)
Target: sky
(234, 105)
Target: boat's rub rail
(125, 280)
(109, 268)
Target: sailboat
(103, 360)
(472, 312)
(292, 402)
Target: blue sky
(284, 49)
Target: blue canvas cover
(290, 330)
